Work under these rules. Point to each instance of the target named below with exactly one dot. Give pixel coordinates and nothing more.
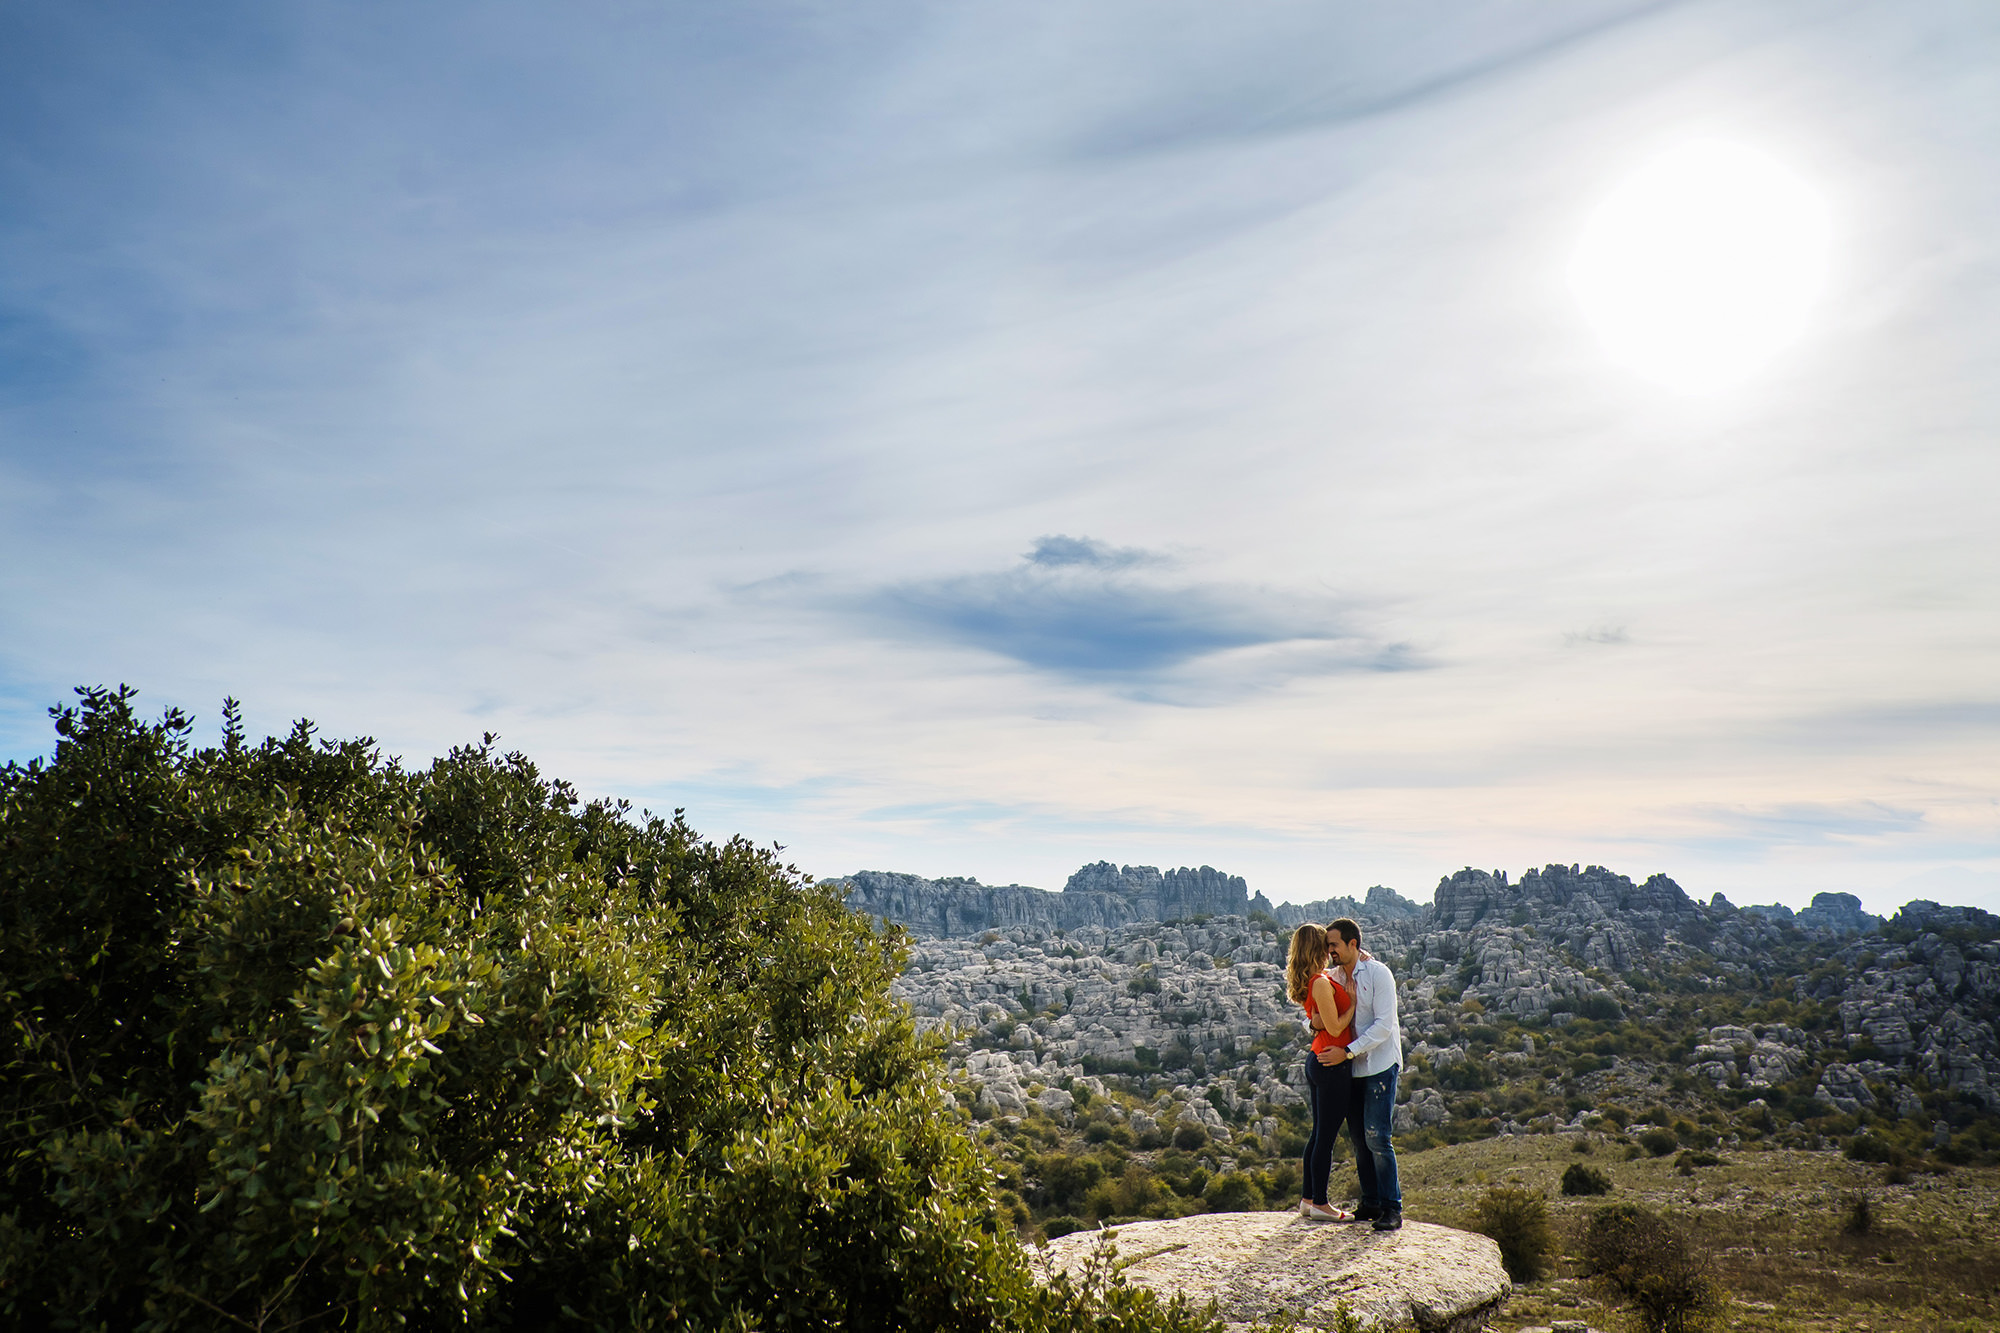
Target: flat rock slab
(1257, 1265)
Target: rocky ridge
(1100, 983)
(1100, 894)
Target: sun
(1703, 265)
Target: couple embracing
(1350, 1001)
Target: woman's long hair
(1306, 961)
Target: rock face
(1097, 895)
(1838, 912)
(1381, 904)
(1258, 1265)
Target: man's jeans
(1368, 1123)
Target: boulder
(1256, 1266)
(1425, 1109)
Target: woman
(1329, 1010)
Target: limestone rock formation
(1139, 977)
(1381, 904)
(1096, 895)
(1838, 912)
(1257, 1265)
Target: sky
(980, 439)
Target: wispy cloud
(1809, 823)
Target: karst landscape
(1126, 1047)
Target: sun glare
(1702, 265)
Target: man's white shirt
(1378, 1038)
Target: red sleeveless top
(1322, 1039)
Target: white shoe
(1319, 1212)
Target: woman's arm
(1342, 1017)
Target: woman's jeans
(1329, 1088)
(1371, 1117)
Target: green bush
(1868, 1146)
(1518, 1221)
(1652, 1262)
(292, 1036)
(1859, 1217)
(1580, 1179)
(1190, 1138)
(1232, 1192)
(1602, 1006)
(1659, 1141)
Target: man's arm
(1380, 988)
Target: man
(1377, 1053)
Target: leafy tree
(293, 1037)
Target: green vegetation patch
(294, 1037)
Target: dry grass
(1930, 1263)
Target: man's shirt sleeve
(1375, 983)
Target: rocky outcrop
(1097, 895)
(1837, 912)
(1257, 1266)
(1382, 904)
(1193, 1010)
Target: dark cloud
(1081, 608)
(1055, 552)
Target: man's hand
(1333, 1055)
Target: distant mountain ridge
(1099, 894)
(1109, 895)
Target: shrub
(1518, 1221)
(1581, 1179)
(1859, 1217)
(292, 1036)
(1659, 1141)
(1232, 1192)
(1600, 1005)
(1190, 1138)
(1652, 1262)
(1695, 1136)
(1868, 1146)
(1060, 1226)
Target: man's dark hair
(1346, 929)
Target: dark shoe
(1367, 1212)
(1390, 1221)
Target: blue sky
(980, 439)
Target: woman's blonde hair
(1306, 961)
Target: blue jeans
(1328, 1088)
(1372, 1115)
